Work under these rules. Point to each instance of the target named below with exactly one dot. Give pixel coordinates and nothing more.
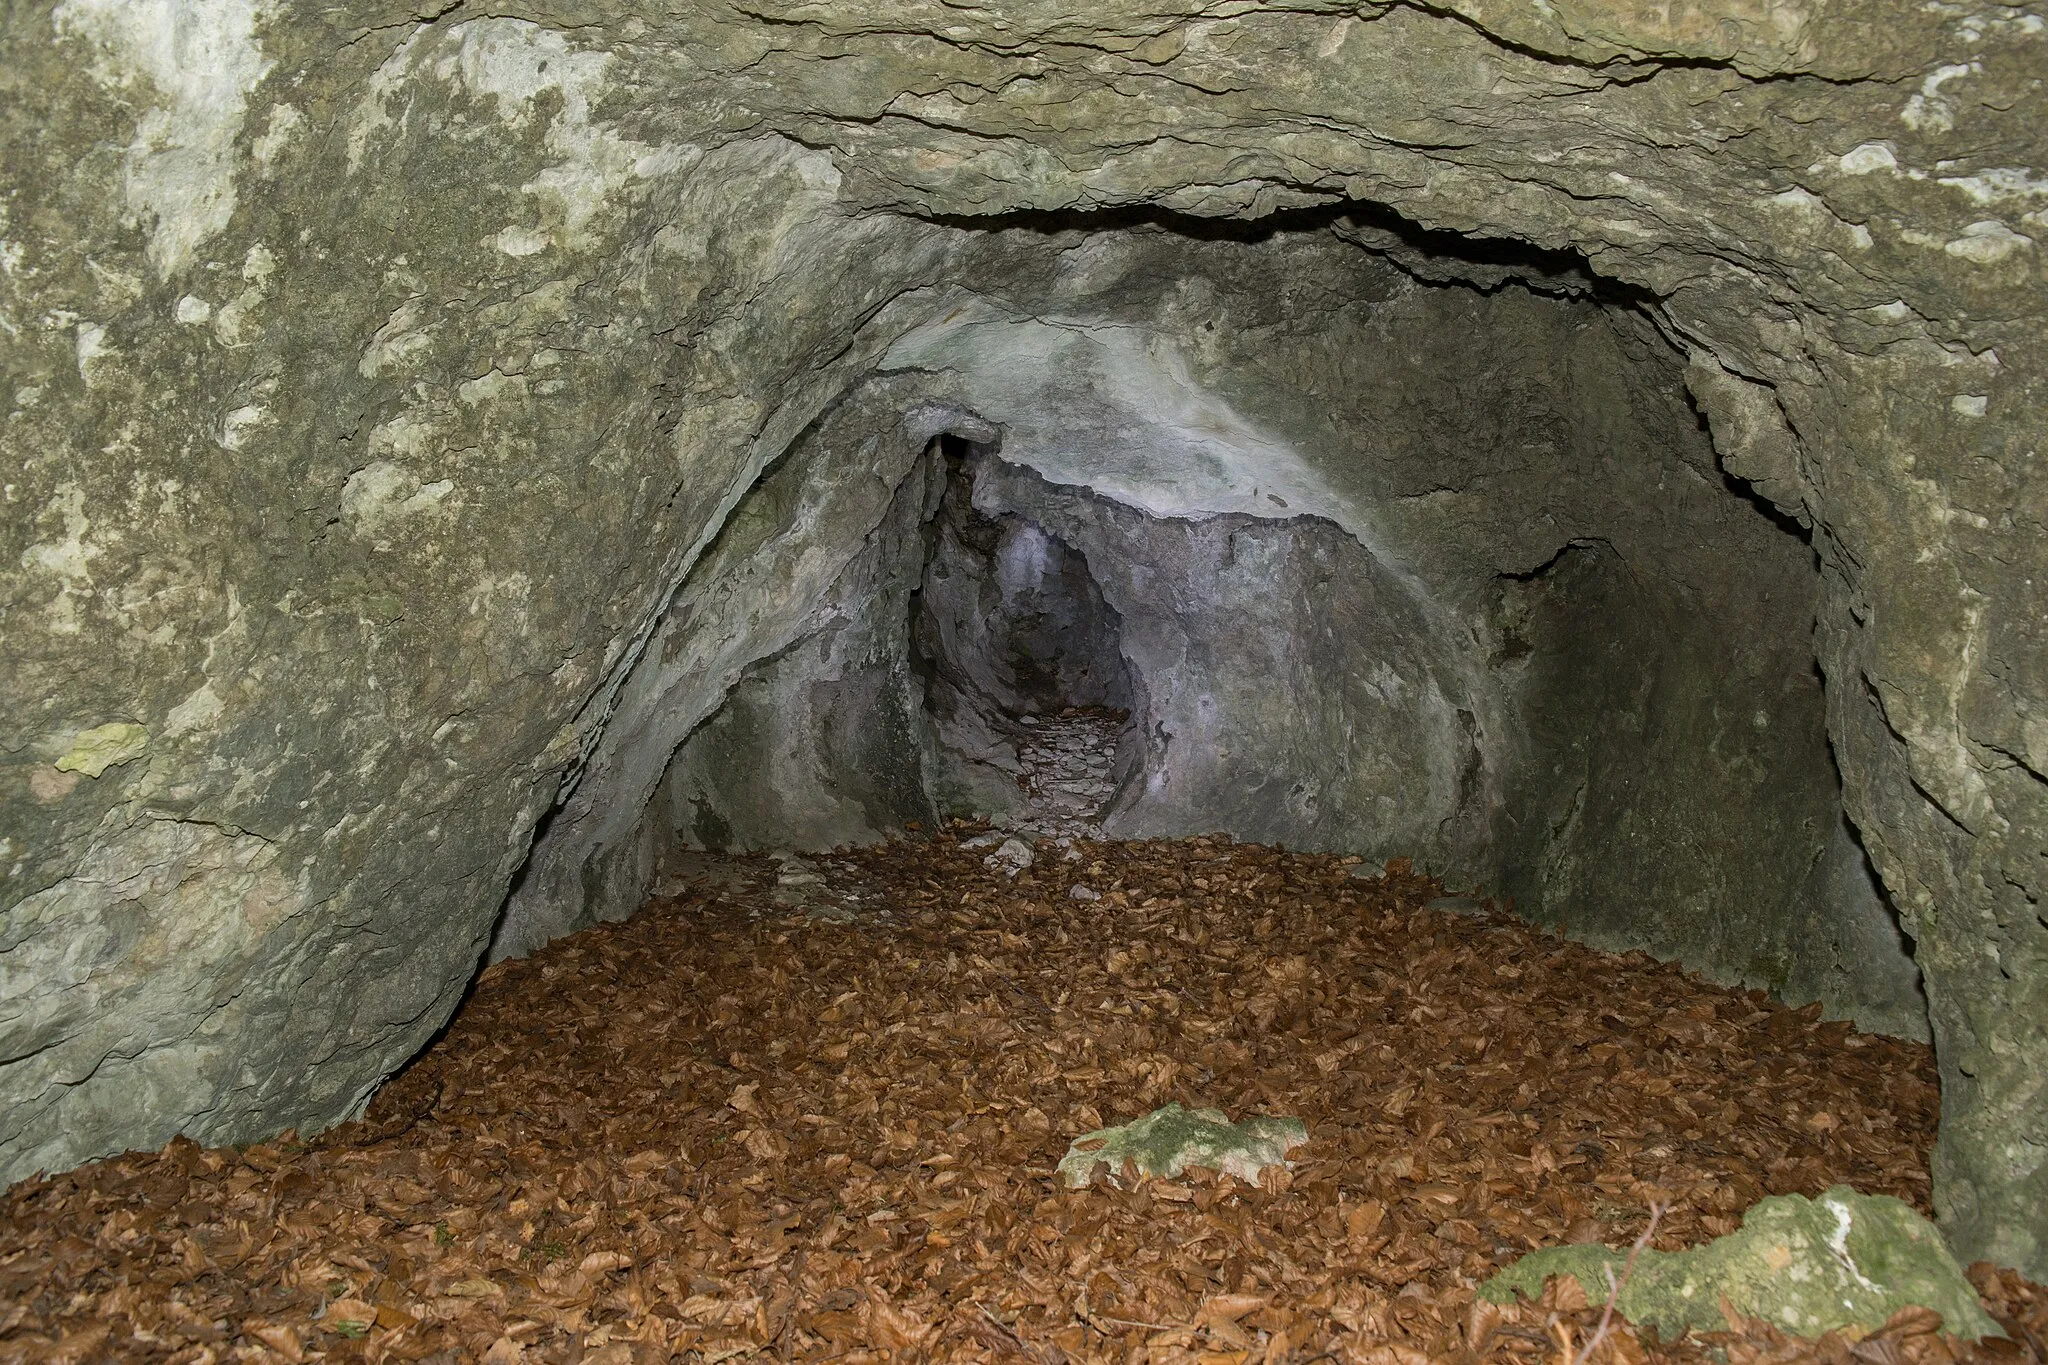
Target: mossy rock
(1805, 1265)
(1169, 1140)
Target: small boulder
(1012, 857)
(1807, 1266)
(1169, 1140)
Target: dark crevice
(1623, 70)
(1546, 270)
(1007, 622)
(1557, 559)
(1770, 511)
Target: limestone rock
(1013, 855)
(103, 747)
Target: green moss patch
(1168, 1141)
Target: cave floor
(740, 1126)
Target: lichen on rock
(1808, 1266)
(103, 747)
(1169, 1140)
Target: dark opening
(1021, 655)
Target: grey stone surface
(379, 389)
(1291, 689)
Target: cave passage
(461, 463)
(1009, 614)
(1021, 657)
(1502, 610)
(470, 472)
(1123, 729)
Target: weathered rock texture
(417, 426)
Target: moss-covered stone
(1169, 1140)
(1808, 1266)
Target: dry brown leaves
(723, 1129)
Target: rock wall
(378, 387)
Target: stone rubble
(796, 879)
(1011, 856)
(1069, 761)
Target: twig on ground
(1093, 1318)
(1527, 1334)
(796, 1280)
(1614, 1288)
(1561, 1333)
(1006, 1335)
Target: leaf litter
(825, 1127)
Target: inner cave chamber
(468, 473)
(1362, 562)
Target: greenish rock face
(1807, 1266)
(1171, 1139)
(458, 458)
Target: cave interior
(494, 491)
(1364, 556)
